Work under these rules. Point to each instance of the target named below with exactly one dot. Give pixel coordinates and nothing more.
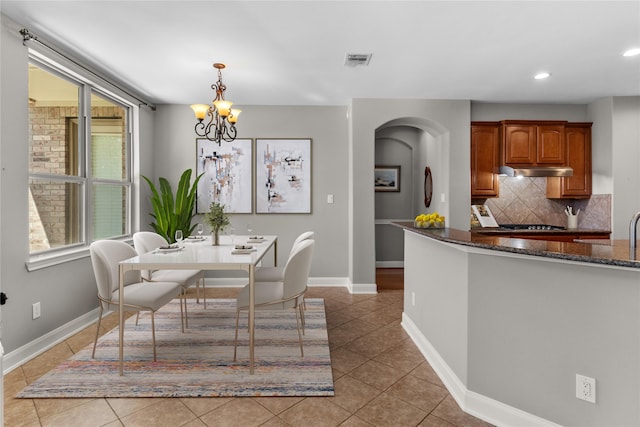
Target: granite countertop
(500, 230)
(607, 252)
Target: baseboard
(329, 281)
(480, 406)
(389, 264)
(358, 288)
(41, 344)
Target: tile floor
(380, 377)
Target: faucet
(632, 234)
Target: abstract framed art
(283, 175)
(228, 177)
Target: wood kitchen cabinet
(485, 151)
(533, 143)
(578, 153)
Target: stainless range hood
(536, 171)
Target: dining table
(233, 253)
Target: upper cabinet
(485, 151)
(578, 152)
(533, 143)
(522, 143)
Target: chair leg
(204, 292)
(301, 310)
(182, 312)
(235, 346)
(93, 354)
(137, 317)
(299, 334)
(184, 298)
(153, 335)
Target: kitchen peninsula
(508, 324)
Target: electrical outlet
(413, 299)
(35, 310)
(586, 388)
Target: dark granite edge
(506, 246)
(533, 232)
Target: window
(79, 161)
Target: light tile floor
(380, 377)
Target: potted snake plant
(171, 213)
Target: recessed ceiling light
(541, 76)
(632, 52)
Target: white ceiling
(292, 52)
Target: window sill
(53, 258)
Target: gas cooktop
(541, 227)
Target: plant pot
(215, 238)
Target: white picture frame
(228, 175)
(283, 175)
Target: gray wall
(522, 342)
(66, 291)
(625, 143)
(174, 151)
(447, 121)
(396, 146)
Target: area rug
(199, 362)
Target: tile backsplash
(524, 201)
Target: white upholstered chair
(276, 274)
(147, 241)
(138, 295)
(286, 294)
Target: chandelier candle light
(222, 124)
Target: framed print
(283, 175)
(386, 178)
(484, 215)
(227, 175)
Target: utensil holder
(572, 221)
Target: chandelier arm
(199, 125)
(231, 133)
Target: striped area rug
(199, 362)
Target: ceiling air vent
(354, 59)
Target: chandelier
(223, 118)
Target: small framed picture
(386, 178)
(484, 215)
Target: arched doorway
(407, 145)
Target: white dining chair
(283, 295)
(139, 295)
(276, 274)
(147, 241)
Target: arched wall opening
(411, 144)
(446, 121)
